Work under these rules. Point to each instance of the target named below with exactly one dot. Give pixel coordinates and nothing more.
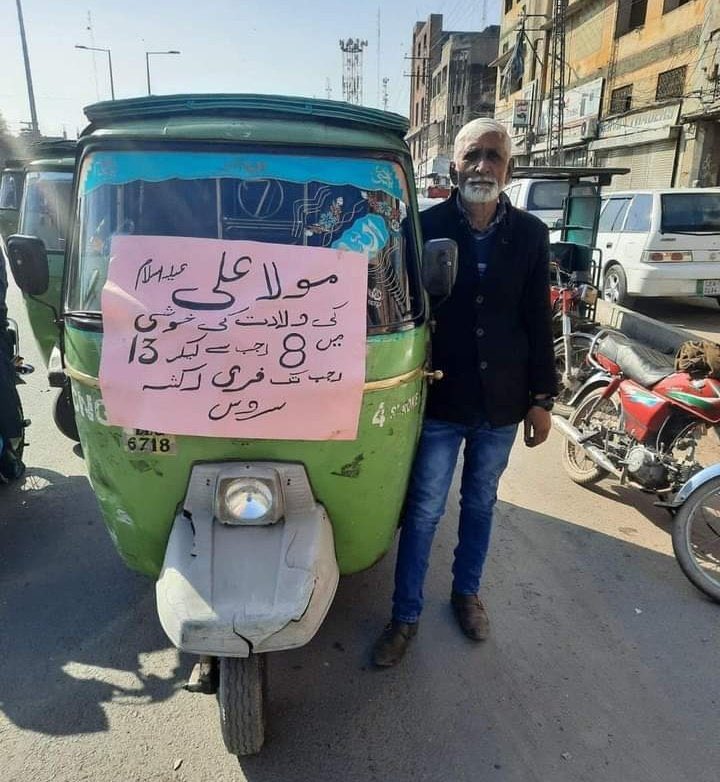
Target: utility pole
(385, 83)
(28, 76)
(352, 80)
(556, 103)
(416, 77)
(377, 65)
(328, 88)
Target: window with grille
(621, 99)
(630, 15)
(671, 5)
(671, 84)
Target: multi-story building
(452, 83)
(640, 86)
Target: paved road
(700, 316)
(602, 664)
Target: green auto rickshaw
(47, 186)
(245, 329)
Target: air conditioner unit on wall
(589, 128)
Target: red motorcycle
(643, 422)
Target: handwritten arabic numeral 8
(294, 345)
(164, 445)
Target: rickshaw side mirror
(29, 264)
(439, 266)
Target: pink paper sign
(234, 338)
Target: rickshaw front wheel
(64, 414)
(241, 697)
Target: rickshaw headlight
(244, 501)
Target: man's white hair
(478, 127)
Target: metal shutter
(651, 165)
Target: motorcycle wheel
(696, 538)
(592, 412)
(241, 697)
(579, 347)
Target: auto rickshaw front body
(292, 174)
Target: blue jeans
(486, 454)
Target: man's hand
(537, 426)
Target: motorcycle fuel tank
(644, 410)
(700, 396)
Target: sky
(271, 46)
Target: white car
(542, 197)
(660, 243)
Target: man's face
(481, 168)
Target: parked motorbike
(12, 419)
(642, 422)
(571, 296)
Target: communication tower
(352, 80)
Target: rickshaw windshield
(10, 189)
(345, 203)
(45, 207)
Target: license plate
(708, 287)
(147, 442)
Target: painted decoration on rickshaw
(236, 338)
(347, 203)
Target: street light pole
(107, 51)
(147, 64)
(28, 75)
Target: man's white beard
(474, 192)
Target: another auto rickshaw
(576, 264)
(46, 184)
(245, 327)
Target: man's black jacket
(493, 338)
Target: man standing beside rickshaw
(493, 342)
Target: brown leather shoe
(471, 615)
(390, 648)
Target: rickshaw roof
(218, 109)
(603, 176)
(51, 164)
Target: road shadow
(580, 679)
(77, 624)
(640, 500)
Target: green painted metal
(693, 400)
(276, 107)
(361, 483)
(42, 309)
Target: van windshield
(690, 212)
(319, 201)
(45, 207)
(547, 195)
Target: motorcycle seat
(640, 363)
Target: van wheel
(614, 287)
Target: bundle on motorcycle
(645, 423)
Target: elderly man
(493, 342)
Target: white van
(660, 243)
(542, 197)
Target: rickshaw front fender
(229, 590)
